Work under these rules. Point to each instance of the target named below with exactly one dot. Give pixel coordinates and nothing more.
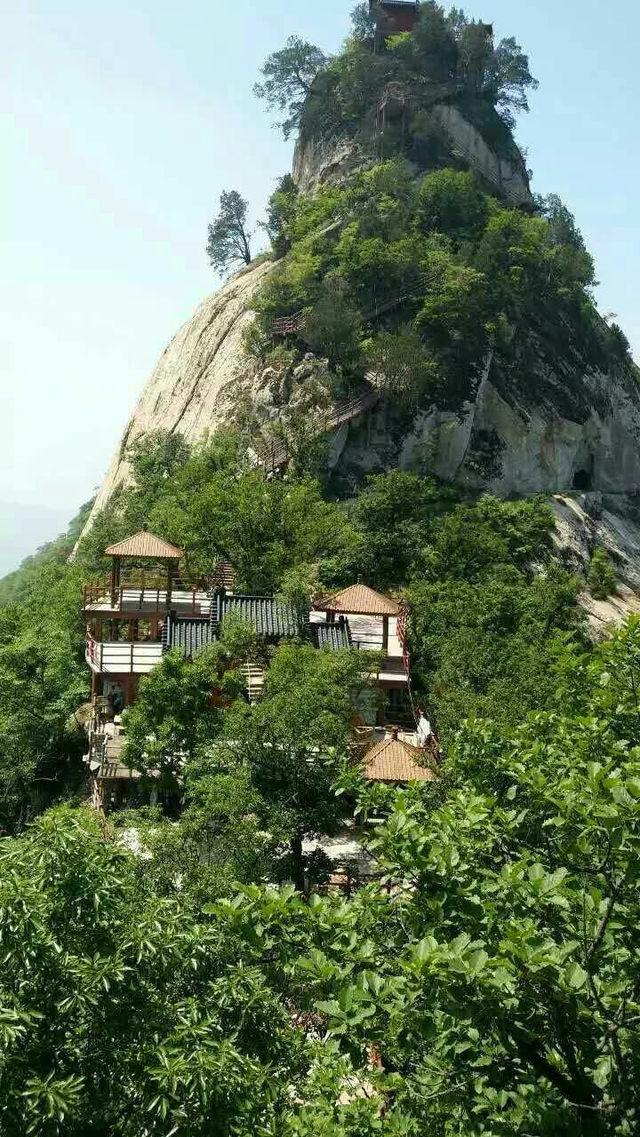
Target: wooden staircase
(254, 681)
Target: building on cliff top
(393, 17)
(137, 614)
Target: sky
(121, 125)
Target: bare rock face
(612, 521)
(193, 382)
(330, 161)
(497, 444)
(506, 177)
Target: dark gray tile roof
(188, 635)
(266, 615)
(334, 636)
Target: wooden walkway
(296, 323)
(277, 455)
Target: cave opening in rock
(583, 480)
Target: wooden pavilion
(398, 762)
(360, 600)
(143, 546)
(393, 16)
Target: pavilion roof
(145, 544)
(360, 600)
(394, 761)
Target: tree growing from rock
(602, 575)
(288, 80)
(402, 364)
(229, 235)
(333, 329)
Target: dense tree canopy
(498, 985)
(391, 267)
(320, 95)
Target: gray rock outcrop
(191, 388)
(329, 161)
(562, 428)
(612, 521)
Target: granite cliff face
(191, 388)
(319, 162)
(568, 428)
(508, 444)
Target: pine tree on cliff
(229, 236)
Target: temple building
(393, 17)
(148, 606)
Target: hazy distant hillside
(24, 528)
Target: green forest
(183, 968)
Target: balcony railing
(122, 658)
(132, 597)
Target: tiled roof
(268, 616)
(144, 544)
(188, 635)
(335, 636)
(360, 600)
(394, 761)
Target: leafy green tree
(451, 202)
(43, 679)
(288, 80)
(430, 51)
(229, 235)
(214, 845)
(334, 329)
(295, 739)
(482, 628)
(177, 714)
(402, 365)
(123, 1014)
(510, 79)
(602, 575)
(281, 210)
(519, 991)
(262, 528)
(363, 20)
(394, 512)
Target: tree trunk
(298, 865)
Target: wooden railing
(289, 325)
(122, 658)
(136, 598)
(293, 325)
(280, 452)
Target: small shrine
(392, 760)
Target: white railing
(130, 598)
(122, 658)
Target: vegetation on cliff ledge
(156, 979)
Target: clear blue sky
(122, 124)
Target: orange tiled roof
(360, 600)
(144, 544)
(394, 761)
